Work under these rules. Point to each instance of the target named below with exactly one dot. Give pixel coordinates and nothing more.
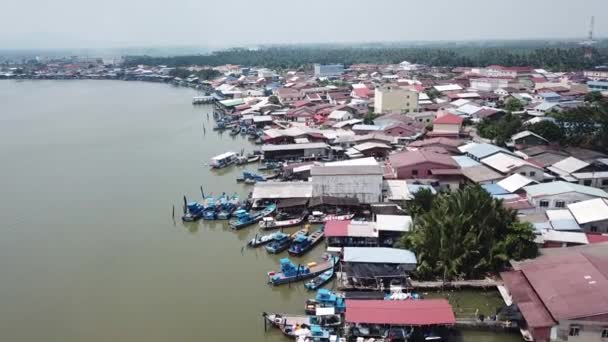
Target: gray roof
(483, 150)
(346, 170)
(561, 187)
(480, 173)
(276, 190)
(291, 147)
(379, 255)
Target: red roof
(411, 312)
(449, 119)
(597, 238)
(411, 158)
(336, 228)
(530, 305)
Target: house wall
(530, 172)
(367, 188)
(571, 197)
(446, 128)
(600, 182)
(589, 331)
(406, 172)
(595, 227)
(395, 99)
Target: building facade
(328, 70)
(392, 98)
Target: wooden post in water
(173, 213)
(185, 205)
(202, 192)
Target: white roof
(380, 255)
(358, 86)
(289, 147)
(396, 223)
(262, 118)
(423, 97)
(282, 190)
(367, 127)
(569, 165)
(561, 187)
(593, 210)
(338, 115)
(447, 87)
(559, 236)
(505, 163)
(468, 95)
(347, 122)
(354, 162)
(524, 134)
(224, 156)
(515, 182)
(370, 145)
(468, 108)
(460, 102)
(397, 190)
(562, 220)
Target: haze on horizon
(42, 24)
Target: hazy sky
(122, 23)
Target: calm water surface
(89, 173)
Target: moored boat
(325, 299)
(279, 244)
(223, 160)
(304, 326)
(260, 240)
(291, 273)
(243, 218)
(193, 211)
(320, 217)
(271, 223)
(303, 244)
(320, 280)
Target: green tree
(547, 129)
(421, 203)
(593, 97)
(273, 99)
(513, 105)
(433, 93)
(369, 118)
(467, 234)
(501, 130)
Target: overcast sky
(124, 23)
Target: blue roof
(464, 161)
(494, 189)
(382, 255)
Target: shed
(400, 313)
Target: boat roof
(224, 156)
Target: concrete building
(557, 195)
(509, 165)
(392, 98)
(328, 70)
(419, 164)
(596, 74)
(591, 215)
(489, 84)
(447, 125)
(563, 294)
(363, 182)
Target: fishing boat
(243, 218)
(291, 273)
(227, 206)
(320, 280)
(320, 217)
(269, 166)
(325, 299)
(260, 240)
(278, 245)
(304, 326)
(193, 211)
(272, 223)
(223, 160)
(303, 244)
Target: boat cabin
(223, 160)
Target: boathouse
(295, 151)
(397, 319)
(375, 268)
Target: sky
(44, 24)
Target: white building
(489, 84)
(392, 98)
(359, 178)
(557, 195)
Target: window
(560, 204)
(604, 182)
(532, 173)
(544, 204)
(593, 229)
(522, 173)
(605, 333)
(587, 182)
(414, 172)
(574, 330)
(428, 172)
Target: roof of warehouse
(379, 255)
(282, 190)
(412, 312)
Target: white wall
(571, 197)
(367, 188)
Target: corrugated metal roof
(379, 255)
(515, 182)
(346, 170)
(505, 163)
(395, 223)
(412, 312)
(562, 220)
(593, 210)
(272, 190)
(482, 150)
(570, 165)
(289, 147)
(561, 187)
(465, 161)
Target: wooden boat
(303, 244)
(223, 160)
(244, 218)
(319, 217)
(253, 159)
(278, 245)
(193, 211)
(260, 240)
(320, 280)
(325, 299)
(271, 223)
(302, 325)
(290, 273)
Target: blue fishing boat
(278, 245)
(291, 273)
(260, 240)
(320, 280)
(227, 206)
(243, 218)
(325, 299)
(303, 244)
(315, 328)
(193, 211)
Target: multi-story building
(328, 70)
(392, 98)
(596, 74)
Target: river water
(90, 171)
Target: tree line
(565, 57)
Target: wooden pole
(173, 213)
